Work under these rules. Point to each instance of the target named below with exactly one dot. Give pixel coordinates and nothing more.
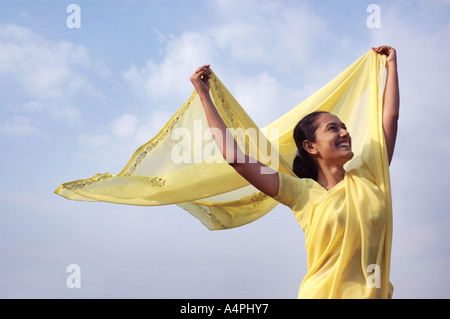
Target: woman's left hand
(390, 53)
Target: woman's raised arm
(391, 99)
(266, 180)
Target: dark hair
(304, 165)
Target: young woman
(341, 212)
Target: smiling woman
(346, 215)
(344, 208)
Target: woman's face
(333, 144)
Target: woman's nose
(344, 132)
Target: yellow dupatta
(191, 173)
(206, 186)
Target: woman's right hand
(200, 79)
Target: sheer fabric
(346, 243)
(207, 187)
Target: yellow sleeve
(288, 190)
(296, 193)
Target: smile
(343, 144)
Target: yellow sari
(192, 174)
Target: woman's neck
(329, 176)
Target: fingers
(203, 72)
(379, 49)
(384, 49)
(202, 68)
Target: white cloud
(44, 77)
(149, 128)
(264, 98)
(18, 125)
(44, 69)
(125, 126)
(182, 56)
(273, 34)
(120, 138)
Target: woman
(341, 212)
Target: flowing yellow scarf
(182, 165)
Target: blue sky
(75, 102)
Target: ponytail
(305, 167)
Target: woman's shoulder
(293, 189)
